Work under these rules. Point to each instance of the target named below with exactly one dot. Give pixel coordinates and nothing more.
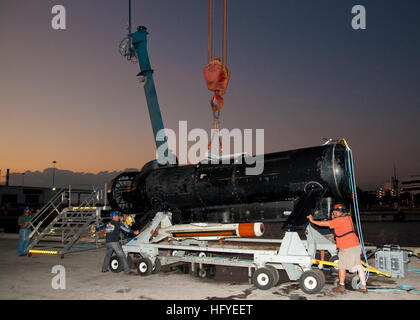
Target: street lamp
(53, 186)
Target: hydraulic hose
(356, 206)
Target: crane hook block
(217, 76)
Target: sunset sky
(299, 71)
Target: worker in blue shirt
(112, 229)
(25, 230)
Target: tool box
(392, 260)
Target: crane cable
(216, 73)
(126, 48)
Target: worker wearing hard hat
(348, 244)
(112, 229)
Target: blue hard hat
(114, 214)
(26, 209)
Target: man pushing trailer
(348, 245)
(112, 230)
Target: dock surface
(24, 278)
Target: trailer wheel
(206, 271)
(275, 274)
(263, 278)
(202, 272)
(144, 267)
(322, 275)
(334, 259)
(211, 271)
(115, 264)
(312, 281)
(157, 266)
(184, 268)
(354, 281)
(130, 262)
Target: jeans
(110, 248)
(23, 240)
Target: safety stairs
(63, 225)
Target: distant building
(380, 193)
(411, 184)
(17, 197)
(14, 198)
(389, 190)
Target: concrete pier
(23, 278)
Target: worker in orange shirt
(348, 245)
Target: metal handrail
(57, 206)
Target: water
(405, 234)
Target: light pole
(53, 186)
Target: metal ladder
(60, 227)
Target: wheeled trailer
(148, 252)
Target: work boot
(339, 288)
(362, 288)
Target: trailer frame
(293, 255)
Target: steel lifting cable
(126, 48)
(216, 73)
(210, 33)
(224, 56)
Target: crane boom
(139, 41)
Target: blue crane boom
(139, 42)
